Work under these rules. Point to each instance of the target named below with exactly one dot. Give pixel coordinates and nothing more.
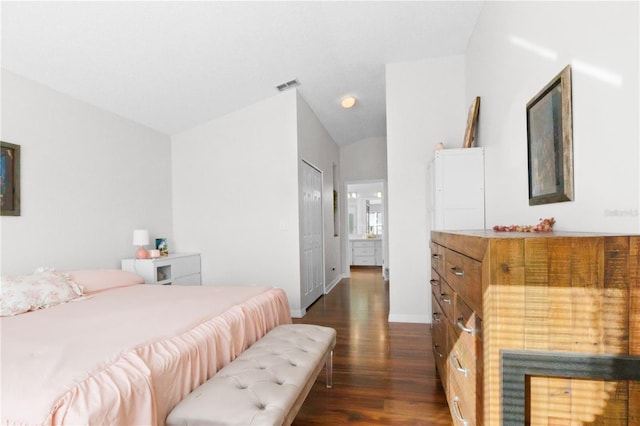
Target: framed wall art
(472, 120)
(9, 179)
(550, 142)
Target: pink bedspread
(127, 356)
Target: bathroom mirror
(365, 210)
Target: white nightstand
(173, 269)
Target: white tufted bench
(264, 385)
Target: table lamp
(141, 239)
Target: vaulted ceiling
(171, 65)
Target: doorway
(365, 225)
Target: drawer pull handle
(434, 282)
(435, 256)
(435, 351)
(455, 362)
(455, 271)
(462, 327)
(456, 411)
(436, 317)
(444, 298)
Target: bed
(122, 353)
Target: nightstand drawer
(185, 265)
(176, 268)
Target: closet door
(312, 247)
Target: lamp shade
(140, 237)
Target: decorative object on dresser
(456, 199)
(472, 120)
(9, 179)
(141, 239)
(545, 225)
(173, 269)
(162, 246)
(550, 142)
(564, 294)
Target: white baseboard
(298, 313)
(332, 284)
(419, 319)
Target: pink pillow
(96, 280)
(44, 288)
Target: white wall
(425, 105)
(88, 177)
(362, 161)
(365, 159)
(600, 41)
(235, 185)
(316, 147)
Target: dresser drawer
(437, 258)
(465, 277)
(468, 326)
(363, 251)
(461, 403)
(446, 298)
(363, 260)
(362, 244)
(434, 283)
(439, 338)
(462, 380)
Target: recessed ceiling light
(348, 102)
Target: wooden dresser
(561, 292)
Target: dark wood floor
(383, 373)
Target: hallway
(383, 373)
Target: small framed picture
(472, 120)
(162, 246)
(9, 179)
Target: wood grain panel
(634, 324)
(557, 292)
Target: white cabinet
(366, 252)
(456, 199)
(175, 269)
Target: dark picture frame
(162, 246)
(9, 179)
(550, 142)
(472, 120)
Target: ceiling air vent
(288, 85)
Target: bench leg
(329, 368)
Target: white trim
(418, 319)
(298, 313)
(333, 283)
